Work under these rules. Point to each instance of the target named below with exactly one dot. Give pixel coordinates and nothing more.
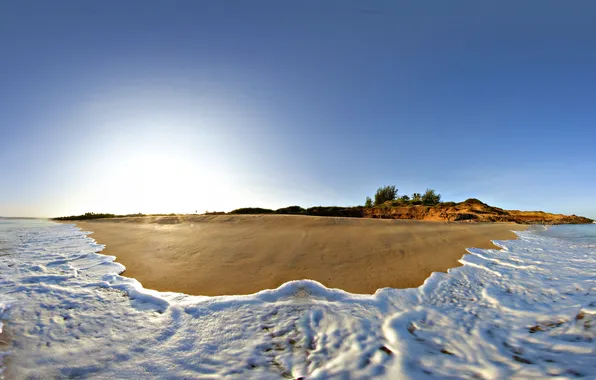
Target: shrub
(384, 194)
(353, 212)
(431, 197)
(252, 210)
(88, 216)
(290, 210)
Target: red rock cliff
(471, 210)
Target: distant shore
(470, 210)
(242, 254)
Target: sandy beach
(243, 254)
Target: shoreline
(244, 254)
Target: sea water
(527, 310)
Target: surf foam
(526, 311)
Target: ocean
(525, 311)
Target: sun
(161, 181)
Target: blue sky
(145, 106)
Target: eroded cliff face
(471, 210)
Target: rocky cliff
(471, 210)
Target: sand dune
(242, 254)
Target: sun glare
(157, 181)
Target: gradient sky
(177, 106)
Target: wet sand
(242, 254)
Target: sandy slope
(242, 254)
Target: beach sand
(243, 254)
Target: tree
(384, 194)
(416, 198)
(368, 203)
(431, 197)
(404, 198)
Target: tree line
(94, 215)
(389, 193)
(383, 195)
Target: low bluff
(471, 210)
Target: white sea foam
(528, 311)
